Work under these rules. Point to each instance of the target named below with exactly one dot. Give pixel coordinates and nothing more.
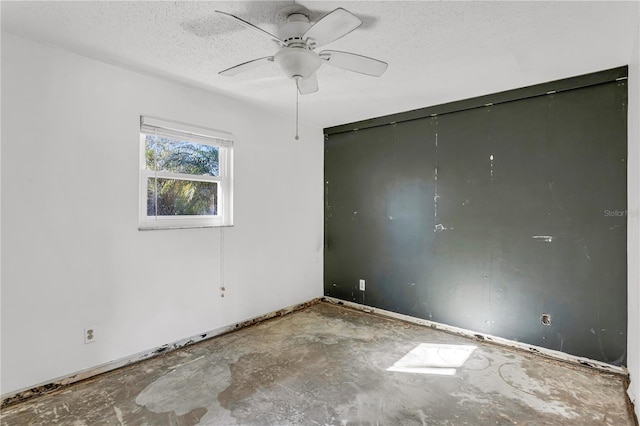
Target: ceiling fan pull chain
(297, 94)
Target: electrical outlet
(361, 285)
(545, 319)
(89, 335)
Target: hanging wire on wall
(221, 252)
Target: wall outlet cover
(89, 334)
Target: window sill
(161, 228)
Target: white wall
(72, 255)
(633, 344)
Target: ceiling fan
(298, 38)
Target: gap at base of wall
(61, 382)
(538, 350)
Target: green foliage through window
(172, 197)
(186, 195)
(181, 156)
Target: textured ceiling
(437, 51)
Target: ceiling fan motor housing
(296, 59)
(291, 32)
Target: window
(185, 176)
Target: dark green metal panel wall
(487, 217)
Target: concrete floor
(329, 365)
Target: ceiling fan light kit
(298, 39)
(297, 62)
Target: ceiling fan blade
(246, 66)
(353, 62)
(331, 27)
(252, 27)
(307, 85)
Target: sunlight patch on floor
(433, 358)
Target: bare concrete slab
(330, 365)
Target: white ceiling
(437, 51)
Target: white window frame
(200, 135)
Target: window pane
(176, 156)
(173, 197)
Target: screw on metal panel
(545, 319)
